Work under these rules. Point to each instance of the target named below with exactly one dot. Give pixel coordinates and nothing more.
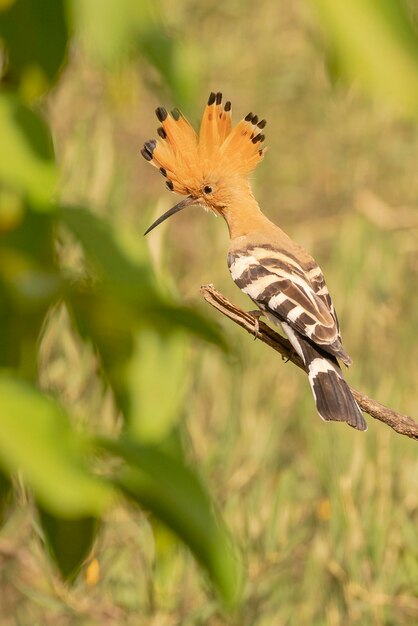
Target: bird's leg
(256, 314)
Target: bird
(211, 169)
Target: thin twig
(402, 424)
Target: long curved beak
(181, 205)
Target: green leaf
(168, 488)
(105, 254)
(29, 233)
(35, 34)
(29, 284)
(36, 438)
(26, 154)
(128, 288)
(109, 30)
(69, 541)
(157, 381)
(178, 63)
(374, 43)
(113, 30)
(6, 491)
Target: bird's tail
(333, 397)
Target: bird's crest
(185, 159)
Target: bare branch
(402, 424)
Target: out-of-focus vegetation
(136, 333)
(373, 42)
(110, 395)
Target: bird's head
(211, 169)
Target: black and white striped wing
(298, 296)
(297, 299)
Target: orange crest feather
(185, 159)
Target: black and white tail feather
(293, 295)
(333, 398)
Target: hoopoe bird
(281, 278)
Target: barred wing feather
(297, 299)
(279, 285)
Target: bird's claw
(256, 314)
(292, 353)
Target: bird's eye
(207, 189)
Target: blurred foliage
(28, 165)
(115, 30)
(69, 540)
(168, 356)
(373, 42)
(35, 34)
(114, 419)
(110, 31)
(5, 494)
(36, 439)
(113, 302)
(164, 485)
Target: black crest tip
(218, 97)
(227, 106)
(161, 114)
(147, 156)
(150, 145)
(212, 98)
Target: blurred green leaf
(12, 209)
(35, 34)
(128, 288)
(109, 324)
(26, 154)
(156, 377)
(6, 490)
(109, 30)
(167, 487)
(374, 43)
(69, 541)
(29, 284)
(112, 325)
(104, 252)
(30, 233)
(176, 61)
(36, 438)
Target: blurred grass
(326, 518)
